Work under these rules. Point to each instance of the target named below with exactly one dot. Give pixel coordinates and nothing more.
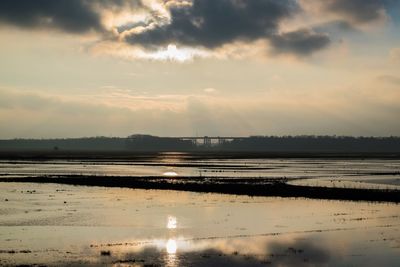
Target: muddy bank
(153, 156)
(237, 186)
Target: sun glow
(173, 53)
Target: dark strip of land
(43, 155)
(250, 187)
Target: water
(382, 174)
(59, 225)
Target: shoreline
(116, 156)
(248, 186)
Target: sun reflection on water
(171, 224)
(170, 174)
(171, 246)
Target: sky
(76, 68)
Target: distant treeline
(69, 144)
(314, 144)
(144, 143)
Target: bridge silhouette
(209, 140)
(195, 140)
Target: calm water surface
(337, 173)
(62, 225)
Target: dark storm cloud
(335, 26)
(67, 15)
(212, 23)
(359, 10)
(301, 42)
(204, 23)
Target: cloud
(76, 16)
(37, 115)
(170, 29)
(395, 80)
(68, 15)
(301, 42)
(181, 30)
(210, 90)
(211, 24)
(395, 55)
(358, 11)
(34, 113)
(335, 26)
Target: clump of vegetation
(105, 253)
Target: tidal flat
(60, 225)
(56, 224)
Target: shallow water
(369, 173)
(61, 225)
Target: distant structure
(204, 142)
(209, 141)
